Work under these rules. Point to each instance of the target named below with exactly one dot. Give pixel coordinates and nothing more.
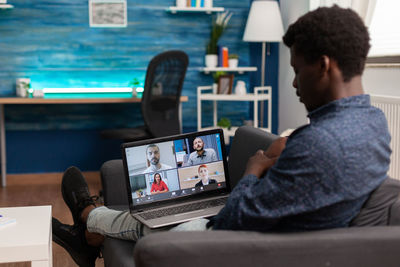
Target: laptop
(171, 180)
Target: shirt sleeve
(292, 186)
(152, 188)
(164, 186)
(214, 156)
(189, 162)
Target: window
(385, 32)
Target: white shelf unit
(240, 70)
(208, 10)
(6, 6)
(260, 94)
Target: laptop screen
(175, 167)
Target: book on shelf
(223, 56)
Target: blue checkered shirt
(323, 176)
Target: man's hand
(263, 160)
(276, 148)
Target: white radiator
(390, 105)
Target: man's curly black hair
(335, 32)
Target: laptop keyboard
(184, 208)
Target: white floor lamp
(264, 24)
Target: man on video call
(317, 178)
(201, 155)
(153, 157)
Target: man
(153, 157)
(201, 155)
(318, 178)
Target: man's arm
(300, 181)
(214, 155)
(189, 161)
(263, 160)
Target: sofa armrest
(345, 247)
(246, 142)
(113, 183)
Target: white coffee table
(30, 238)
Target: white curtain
(364, 8)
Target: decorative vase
(181, 3)
(240, 88)
(233, 62)
(208, 3)
(215, 88)
(211, 61)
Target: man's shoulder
(165, 166)
(210, 150)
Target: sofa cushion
(382, 207)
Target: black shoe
(72, 239)
(75, 193)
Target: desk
(30, 238)
(30, 101)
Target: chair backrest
(162, 91)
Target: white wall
(292, 113)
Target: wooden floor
(44, 189)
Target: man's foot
(72, 239)
(75, 193)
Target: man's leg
(82, 245)
(117, 224)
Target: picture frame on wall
(108, 13)
(225, 83)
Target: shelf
(6, 6)
(260, 94)
(233, 97)
(240, 70)
(208, 10)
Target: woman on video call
(203, 175)
(158, 185)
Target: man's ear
(325, 64)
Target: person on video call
(158, 185)
(317, 178)
(153, 157)
(201, 155)
(203, 175)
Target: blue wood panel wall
(51, 42)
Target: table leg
(180, 116)
(3, 147)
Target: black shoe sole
(72, 253)
(70, 205)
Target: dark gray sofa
(377, 244)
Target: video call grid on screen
(180, 176)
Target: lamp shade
(264, 23)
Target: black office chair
(160, 101)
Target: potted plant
(225, 124)
(218, 27)
(233, 60)
(135, 85)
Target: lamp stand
(262, 82)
